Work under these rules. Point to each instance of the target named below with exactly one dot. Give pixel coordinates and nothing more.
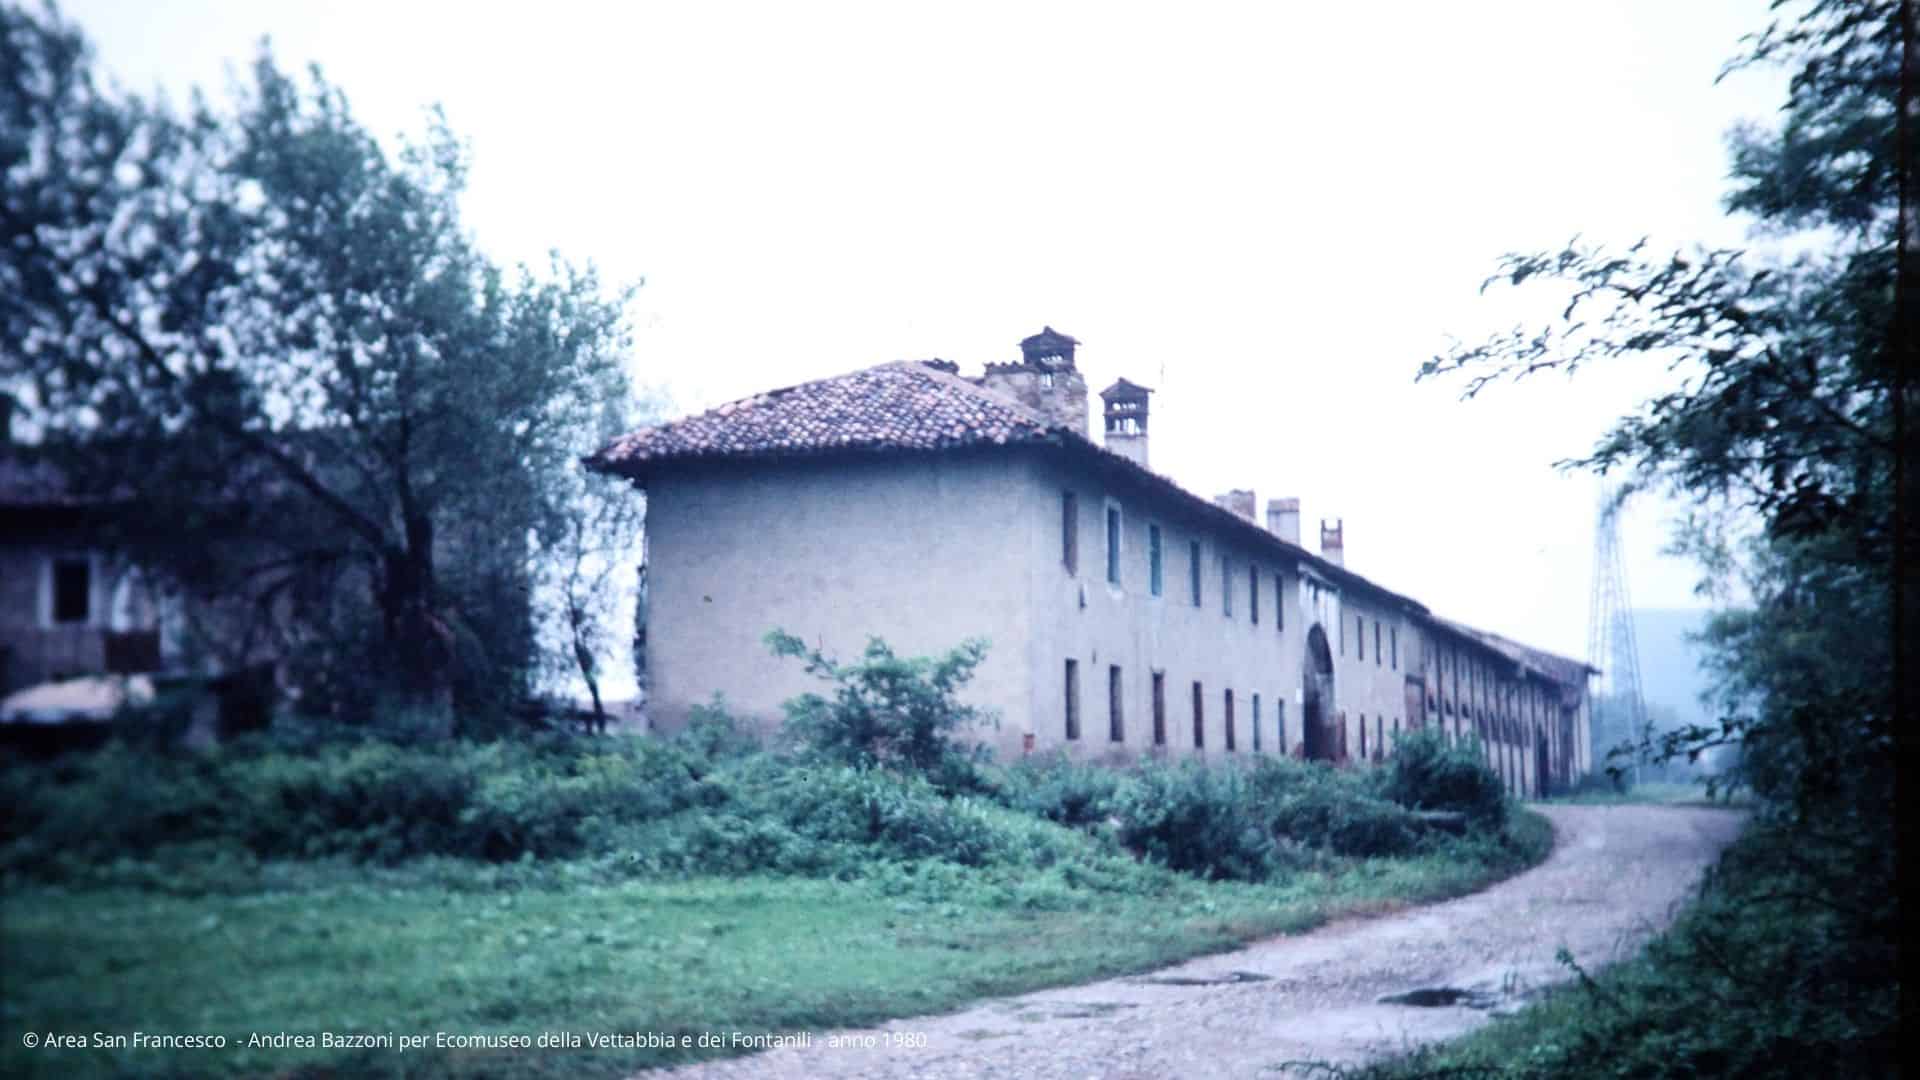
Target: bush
(715, 735)
(1431, 773)
(1059, 789)
(1197, 820)
(367, 800)
(887, 709)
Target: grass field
(343, 949)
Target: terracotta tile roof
(900, 406)
(908, 406)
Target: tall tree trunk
(419, 643)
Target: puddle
(1440, 997)
(1228, 979)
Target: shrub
(887, 709)
(1333, 810)
(1059, 789)
(715, 735)
(1430, 773)
(367, 800)
(1195, 819)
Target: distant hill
(1670, 672)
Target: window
(1199, 718)
(1280, 723)
(1193, 567)
(1229, 720)
(1360, 637)
(1159, 708)
(1376, 643)
(72, 590)
(1070, 531)
(1153, 559)
(1113, 545)
(1279, 606)
(1380, 736)
(1116, 726)
(1363, 736)
(1393, 640)
(1073, 699)
(1226, 586)
(1256, 723)
(1253, 594)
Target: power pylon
(1610, 642)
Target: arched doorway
(1316, 728)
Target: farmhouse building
(69, 606)
(1125, 615)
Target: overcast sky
(1271, 213)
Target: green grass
(1654, 792)
(435, 948)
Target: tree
(286, 343)
(582, 566)
(1795, 415)
(1795, 409)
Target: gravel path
(1617, 874)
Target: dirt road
(1617, 874)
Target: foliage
(1196, 820)
(1795, 378)
(341, 421)
(888, 709)
(1430, 772)
(714, 734)
(1795, 416)
(1321, 808)
(363, 799)
(1060, 789)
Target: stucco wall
(1100, 624)
(919, 550)
(925, 550)
(1371, 683)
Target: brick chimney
(1283, 519)
(1126, 420)
(1044, 380)
(1332, 547)
(1239, 501)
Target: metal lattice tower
(1610, 642)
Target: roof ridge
(966, 385)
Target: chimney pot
(1333, 546)
(1126, 420)
(1240, 501)
(1283, 519)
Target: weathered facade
(1124, 615)
(68, 605)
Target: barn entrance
(1316, 727)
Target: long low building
(1124, 614)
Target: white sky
(1271, 213)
